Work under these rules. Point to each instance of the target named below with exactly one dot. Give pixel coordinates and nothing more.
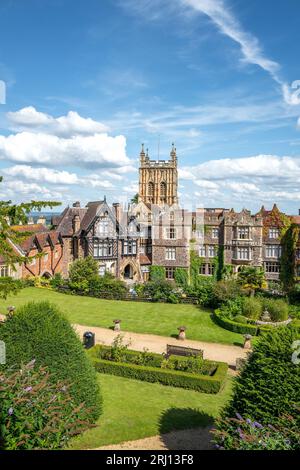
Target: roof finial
(142, 154)
(173, 152)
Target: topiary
(40, 331)
(269, 384)
(252, 308)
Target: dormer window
(274, 233)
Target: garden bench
(183, 351)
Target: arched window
(163, 190)
(150, 189)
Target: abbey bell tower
(158, 179)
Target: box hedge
(231, 325)
(201, 383)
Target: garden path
(158, 344)
(188, 439)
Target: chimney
(76, 204)
(41, 220)
(117, 209)
(76, 223)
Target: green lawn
(135, 410)
(139, 317)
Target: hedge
(231, 325)
(201, 383)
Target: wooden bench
(183, 351)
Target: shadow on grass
(186, 429)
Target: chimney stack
(76, 204)
(76, 223)
(117, 209)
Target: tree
(11, 215)
(82, 272)
(251, 278)
(135, 199)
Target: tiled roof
(65, 226)
(34, 228)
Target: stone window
(243, 253)
(274, 233)
(243, 233)
(272, 267)
(212, 251)
(211, 269)
(202, 269)
(129, 247)
(202, 253)
(163, 190)
(215, 233)
(171, 254)
(3, 271)
(171, 233)
(273, 251)
(103, 248)
(149, 249)
(150, 189)
(170, 273)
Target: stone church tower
(158, 179)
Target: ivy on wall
(157, 273)
(289, 241)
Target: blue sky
(88, 81)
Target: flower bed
(154, 368)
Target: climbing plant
(288, 258)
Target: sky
(84, 83)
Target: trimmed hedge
(201, 383)
(234, 326)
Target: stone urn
(11, 310)
(117, 326)
(247, 341)
(266, 316)
(181, 335)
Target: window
(163, 190)
(3, 271)
(150, 189)
(142, 249)
(272, 267)
(243, 253)
(149, 249)
(172, 217)
(170, 273)
(103, 248)
(273, 251)
(103, 228)
(274, 233)
(202, 269)
(171, 233)
(243, 233)
(202, 253)
(215, 233)
(212, 251)
(102, 270)
(171, 254)
(211, 269)
(129, 247)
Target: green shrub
(36, 412)
(56, 281)
(268, 386)
(157, 273)
(39, 331)
(224, 291)
(161, 291)
(81, 272)
(252, 308)
(203, 290)
(278, 309)
(181, 277)
(241, 319)
(107, 286)
(201, 383)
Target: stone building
(158, 179)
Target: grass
(136, 410)
(139, 317)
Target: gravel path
(158, 344)
(189, 439)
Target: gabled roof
(65, 225)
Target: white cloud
(30, 191)
(66, 126)
(42, 175)
(99, 150)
